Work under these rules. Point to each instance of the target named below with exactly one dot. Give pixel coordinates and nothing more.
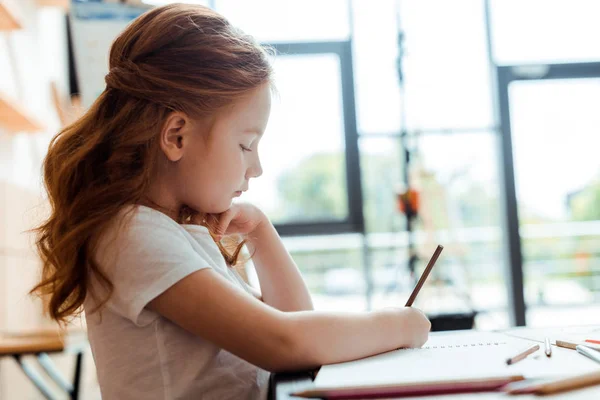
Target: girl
(141, 191)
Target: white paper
(465, 355)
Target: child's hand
(410, 326)
(242, 218)
(416, 326)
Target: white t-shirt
(138, 353)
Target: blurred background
(398, 125)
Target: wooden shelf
(14, 119)
(54, 3)
(8, 20)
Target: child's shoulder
(139, 218)
(136, 223)
(140, 233)
(139, 214)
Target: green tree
(315, 188)
(585, 205)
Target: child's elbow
(294, 351)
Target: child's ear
(174, 134)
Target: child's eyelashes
(244, 148)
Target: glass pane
(541, 31)
(557, 175)
(381, 177)
(457, 178)
(333, 269)
(290, 20)
(458, 284)
(445, 65)
(302, 151)
(374, 34)
(163, 2)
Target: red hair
(178, 57)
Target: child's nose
(256, 170)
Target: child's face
(218, 169)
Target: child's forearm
(328, 337)
(280, 280)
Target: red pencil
(410, 389)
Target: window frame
(354, 221)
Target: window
(289, 21)
(538, 31)
(302, 151)
(558, 194)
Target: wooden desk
(281, 385)
(39, 344)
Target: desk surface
(284, 384)
(41, 341)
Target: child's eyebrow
(253, 131)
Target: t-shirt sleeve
(144, 256)
(202, 237)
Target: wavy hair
(178, 57)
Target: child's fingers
(224, 221)
(212, 220)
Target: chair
(40, 343)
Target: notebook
(448, 362)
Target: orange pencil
(553, 386)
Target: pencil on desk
(566, 344)
(471, 385)
(523, 354)
(569, 344)
(574, 382)
(559, 385)
(589, 352)
(424, 276)
(548, 349)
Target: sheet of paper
(462, 355)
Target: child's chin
(226, 205)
